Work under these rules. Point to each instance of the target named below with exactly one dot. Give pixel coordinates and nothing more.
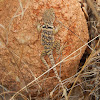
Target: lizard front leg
(55, 30)
(39, 27)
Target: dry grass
(85, 82)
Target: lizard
(47, 39)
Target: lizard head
(49, 16)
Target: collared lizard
(47, 40)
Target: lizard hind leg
(50, 54)
(43, 60)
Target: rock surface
(21, 57)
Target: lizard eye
(50, 27)
(47, 27)
(44, 26)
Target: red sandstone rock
(25, 42)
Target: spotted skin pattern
(47, 40)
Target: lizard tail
(56, 73)
(54, 69)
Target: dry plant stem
(94, 53)
(28, 68)
(62, 47)
(43, 80)
(4, 94)
(4, 88)
(21, 7)
(90, 4)
(2, 84)
(14, 53)
(18, 66)
(15, 15)
(82, 70)
(73, 33)
(7, 30)
(2, 26)
(73, 56)
(52, 68)
(88, 60)
(93, 89)
(66, 80)
(94, 58)
(24, 97)
(22, 48)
